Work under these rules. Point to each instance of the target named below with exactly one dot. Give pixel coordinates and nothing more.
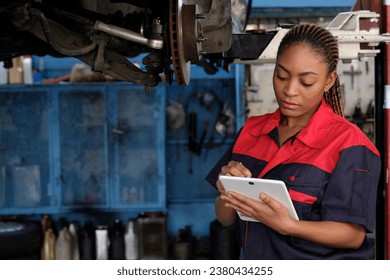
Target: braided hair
(324, 44)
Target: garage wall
(356, 79)
(91, 148)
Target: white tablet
(252, 187)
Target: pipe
(128, 35)
(380, 120)
(386, 29)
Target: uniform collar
(317, 130)
(313, 133)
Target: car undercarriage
(171, 35)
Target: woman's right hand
(233, 168)
(227, 215)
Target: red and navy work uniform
(331, 170)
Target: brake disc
(185, 38)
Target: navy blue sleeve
(351, 193)
(212, 176)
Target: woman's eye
(281, 78)
(307, 85)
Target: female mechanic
(331, 169)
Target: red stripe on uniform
(301, 197)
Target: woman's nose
(290, 88)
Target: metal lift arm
(357, 33)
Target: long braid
(323, 43)
(334, 98)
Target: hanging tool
(192, 127)
(199, 145)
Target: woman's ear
(330, 80)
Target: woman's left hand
(267, 211)
(273, 214)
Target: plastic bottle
(74, 231)
(48, 249)
(27, 70)
(49, 239)
(102, 243)
(38, 71)
(117, 241)
(87, 242)
(131, 241)
(64, 245)
(3, 74)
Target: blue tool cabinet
(98, 148)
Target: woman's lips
(289, 105)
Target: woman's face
(300, 80)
